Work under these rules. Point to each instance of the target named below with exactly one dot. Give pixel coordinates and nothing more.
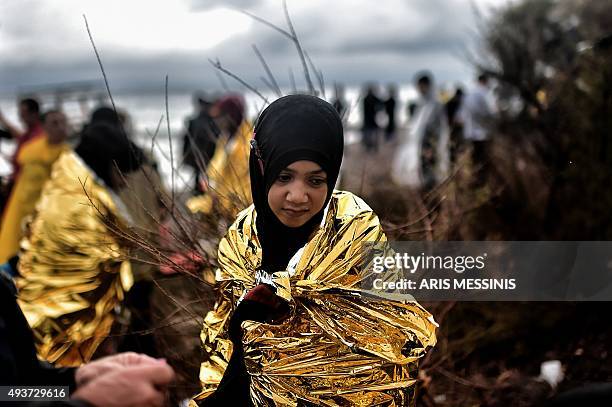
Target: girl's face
(298, 193)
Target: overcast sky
(141, 41)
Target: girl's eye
(317, 181)
(284, 178)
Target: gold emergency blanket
(339, 347)
(228, 177)
(74, 273)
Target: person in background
(411, 109)
(371, 105)
(422, 160)
(477, 116)
(200, 138)
(339, 101)
(5, 134)
(431, 124)
(123, 380)
(454, 123)
(35, 159)
(390, 111)
(73, 269)
(227, 185)
(105, 142)
(29, 115)
(225, 180)
(228, 114)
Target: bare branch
(318, 73)
(154, 135)
(170, 142)
(269, 85)
(298, 46)
(275, 86)
(222, 80)
(218, 66)
(292, 35)
(269, 24)
(292, 80)
(93, 44)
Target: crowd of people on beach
(75, 280)
(438, 128)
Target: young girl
(291, 325)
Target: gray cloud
(375, 45)
(199, 5)
(349, 45)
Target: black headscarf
(293, 128)
(104, 145)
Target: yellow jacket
(36, 158)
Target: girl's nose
(297, 194)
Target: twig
(183, 307)
(218, 66)
(269, 24)
(107, 85)
(426, 221)
(113, 103)
(318, 74)
(138, 240)
(351, 109)
(292, 81)
(460, 380)
(221, 80)
(156, 221)
(166, 157)
(363, 176)
(292, 35)
(275, 86)
(161, 119)
(170, 142)
(202, 157)
(393, 227)
(269, 85)
(298, 46)
(93, 44)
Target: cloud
(198, 5)
(387, 43)
(350, 40)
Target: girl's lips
(295, 213)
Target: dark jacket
(371, 106)
(202, 134)
(19, 365)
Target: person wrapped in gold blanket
(291, 325)
(227, 188)
(73, 268)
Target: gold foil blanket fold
(340, 346)
(74, 271)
